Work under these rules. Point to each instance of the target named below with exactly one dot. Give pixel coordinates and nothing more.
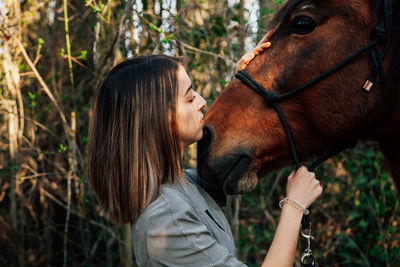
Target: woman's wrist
(293, 203)
(283, 247)
(290, 208)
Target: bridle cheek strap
(271, 99)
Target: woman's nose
(202, 103)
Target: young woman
(145, 114)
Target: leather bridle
(379, 36)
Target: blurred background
(54, 54)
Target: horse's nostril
(204, 145)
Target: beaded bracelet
(283, 201)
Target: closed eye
(192, 99)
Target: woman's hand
(249, 56)
(303, 187)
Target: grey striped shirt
(183, 227)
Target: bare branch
(189, 47)
(43, 84)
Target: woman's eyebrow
(188, 90)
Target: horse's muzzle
(224, 171)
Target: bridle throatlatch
(379, 36)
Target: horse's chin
(243, 178)
(239, 183)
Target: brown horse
(244, 138)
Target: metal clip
(307, 235)
(307, 258)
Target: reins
(379, 35)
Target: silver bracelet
(282, 202)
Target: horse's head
(244, 138)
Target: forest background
(53, 55)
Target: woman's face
(189, 115)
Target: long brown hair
(133, 146)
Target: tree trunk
(14, 107)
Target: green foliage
(64, 98)
(218, 26)
(355, 222)
(32, 98)
(373, 209)
(83, 55)
(62, 148)
(23, 68)
(40, 41)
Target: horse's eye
(302, 25)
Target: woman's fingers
(303, 187)
(267, 36)
(249, 56)
(263, 46)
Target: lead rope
(307, 258)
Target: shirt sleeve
(179, 238)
